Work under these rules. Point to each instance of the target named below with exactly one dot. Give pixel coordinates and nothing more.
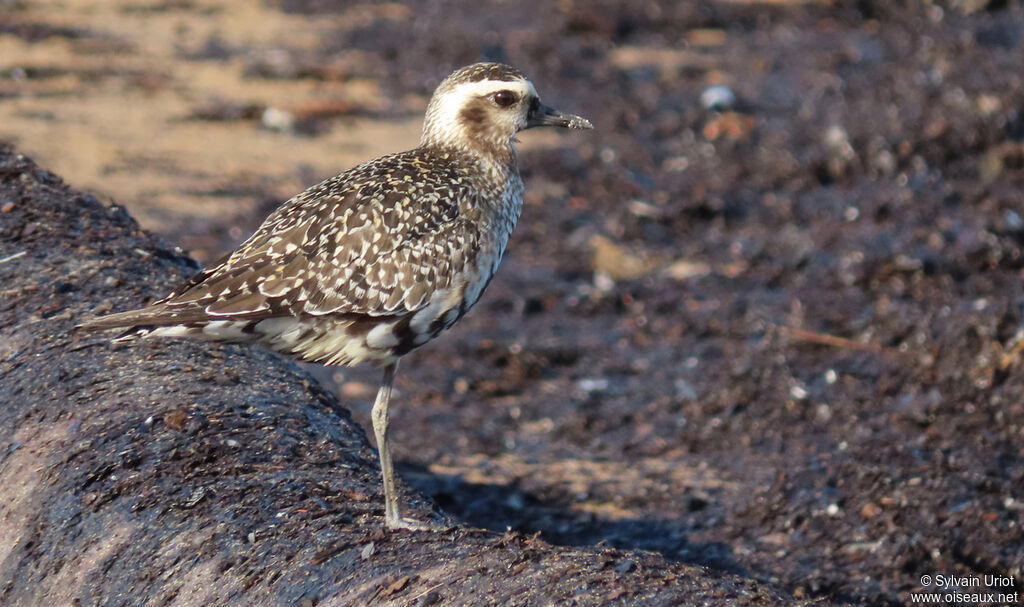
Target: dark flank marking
(440, 324)
(405, 335)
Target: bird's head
(481, 107)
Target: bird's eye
(504, 98)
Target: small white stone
(717, 98)
(593, 384)
(277, 119)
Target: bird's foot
(406, 523)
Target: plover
(372, 263)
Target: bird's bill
(549, 116)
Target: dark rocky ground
(779, 339)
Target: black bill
(543, 115)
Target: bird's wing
(377, 240)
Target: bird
(372, 263)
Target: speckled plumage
(366, 265)
(376, 261)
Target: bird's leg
(392, 513)
(380, 429)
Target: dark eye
(504, 98)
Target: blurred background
(766, 317)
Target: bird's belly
(332, 341)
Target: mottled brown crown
(478, 72)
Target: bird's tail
(136, 323)
(144, 321)
(161, 320)
(151, 316)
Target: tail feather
(152, 316)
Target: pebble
(1011, 218)
(277, 119)
(683, 269)
(593, 384)
(870, 510)
(618, 262)
(685, 390)
(717, 98)
(626, 566)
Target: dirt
(779, 338)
